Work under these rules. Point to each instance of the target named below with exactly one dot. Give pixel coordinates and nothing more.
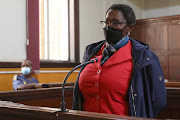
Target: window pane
(54, 43)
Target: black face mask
(112, 35)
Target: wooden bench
(172, 84)
(172, 110)
(46, 97)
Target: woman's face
(114, 16)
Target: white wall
(92, 12)
(159, 8)
(13, 22)
(138, 7)
(12, 30)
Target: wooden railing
(51, 97)
(14, 111)
(172, 84)
(59, 84)
(168, 84)
(45, 97)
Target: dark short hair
(127, 12)
(27, 61)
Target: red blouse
(105, 88)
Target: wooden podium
(49, 99)
(15, 111)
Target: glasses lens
(115, 23)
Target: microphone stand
(63, 103)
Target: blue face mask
(26, 70)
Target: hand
(38, 86)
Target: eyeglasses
(114, 23)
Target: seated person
(25, 80)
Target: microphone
(63, 104)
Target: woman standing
(127, 79)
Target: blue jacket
(147, 91)
(21, 79)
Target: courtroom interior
(53, 35)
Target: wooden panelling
(174, 36)
(172, 110)
(156, 37)
(138, 32)
(162, 35)
(174, 67)
(163, 59)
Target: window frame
(73, 39)
(73, 23)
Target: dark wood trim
(76, 29)
(158, 19)
(33, 34)
(57, 64)
(10, 64)
(168, 84)
(69, 28)
(59, 84)
(47, 64)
